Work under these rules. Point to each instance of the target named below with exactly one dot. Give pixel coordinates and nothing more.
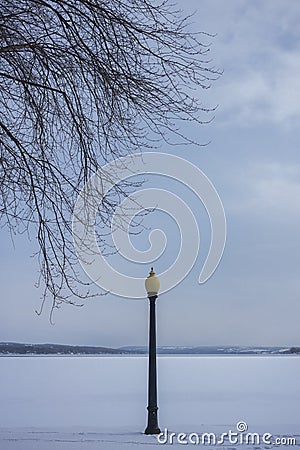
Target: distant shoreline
(145, 355)
(22, 349)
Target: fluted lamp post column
(152, 286)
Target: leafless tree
(83, 82)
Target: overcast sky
(253, 161)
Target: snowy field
(74, 403)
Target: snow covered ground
(71, 403)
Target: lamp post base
(152, 431)
(152, 427)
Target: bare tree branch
(83, 82)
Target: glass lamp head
(152, 284)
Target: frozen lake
(100, 402)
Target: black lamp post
(152, 285)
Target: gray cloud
(253, 298)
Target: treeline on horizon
(8, 348)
